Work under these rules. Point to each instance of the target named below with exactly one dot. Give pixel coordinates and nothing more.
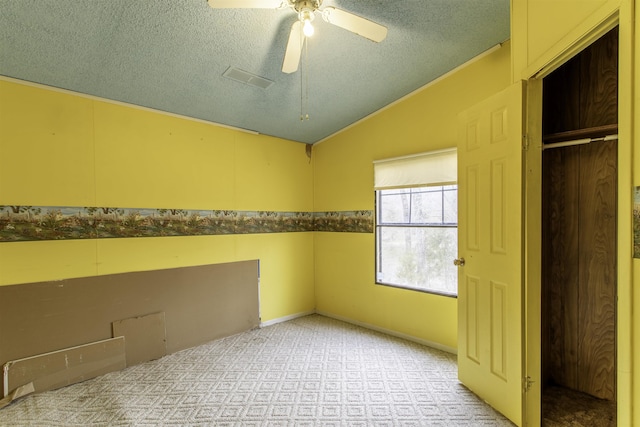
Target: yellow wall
(343, 169)
(60, 149)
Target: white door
(490, 322)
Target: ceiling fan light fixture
(306, 16)
(307, 28)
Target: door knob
(459, 262)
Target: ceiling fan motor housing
(306, 5)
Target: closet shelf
(594, 132)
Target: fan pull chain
(304, 81)
(306, 85)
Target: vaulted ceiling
(172, 55)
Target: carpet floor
(311, 371)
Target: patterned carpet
(312, 371)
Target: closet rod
(580, 141)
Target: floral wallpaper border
(32, 223)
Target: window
(416, 225)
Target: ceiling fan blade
(245, 4)
(355, 24)
(294, 49)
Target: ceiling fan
(306, 11)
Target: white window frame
(413, 174)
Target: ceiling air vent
(247, 78)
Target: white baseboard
(286, 318)
(391, 332)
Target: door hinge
(525, 142)
(527, 383)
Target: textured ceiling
(170, 55)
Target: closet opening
(579, 238)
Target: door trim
(623, 17)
